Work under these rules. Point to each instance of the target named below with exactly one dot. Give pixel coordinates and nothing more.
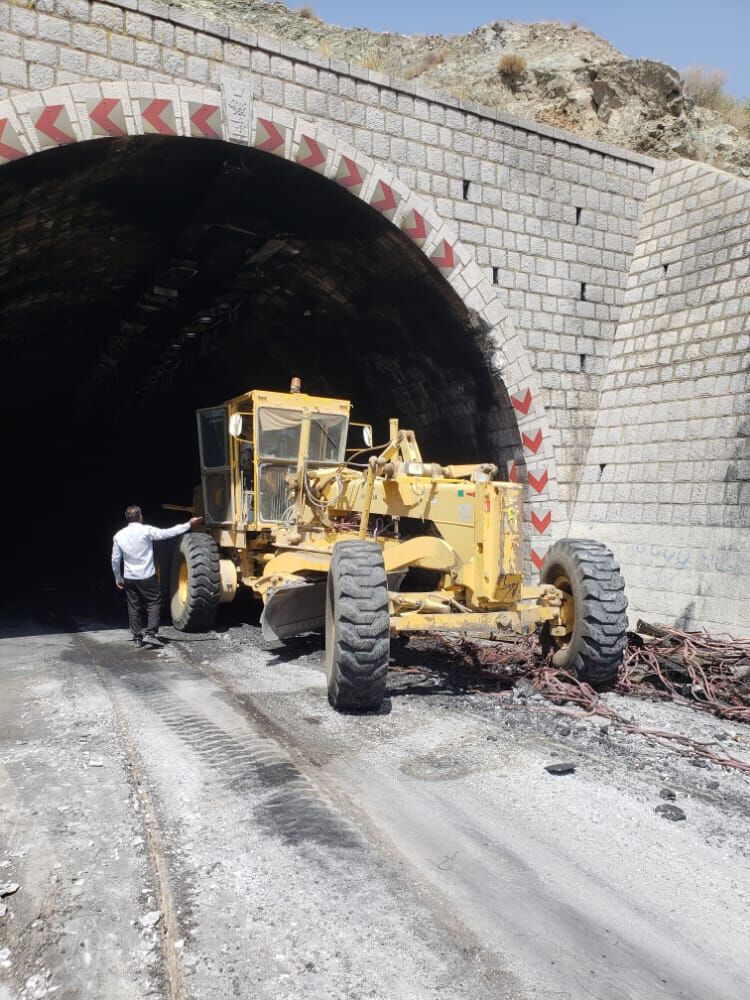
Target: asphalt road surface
(198, 823)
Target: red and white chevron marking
(538, 479)
(157, 116)
(444, 258)
(205, 120)
(270, 137)
(312, 154)
(415, 227)
(350, 175)
(107, 117)
(385, 199)
(53, 126)
(10, 144)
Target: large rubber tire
(195, 583)
(357, 627)
(590, 574)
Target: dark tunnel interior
(145, 277)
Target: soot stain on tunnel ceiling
(144, 277)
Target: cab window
(327, 437)
(279, 433)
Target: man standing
(134, 546)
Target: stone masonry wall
(551, 218)
(667, 478)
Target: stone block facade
(548, 228)
(667, 477)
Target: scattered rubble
(151, 919)
(710, 673)
(560, 768)
(670, 812)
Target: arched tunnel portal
(145, 276)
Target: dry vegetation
(428, 61)
(511, 69)
(309, 12)
(706, 88)
(373, 59)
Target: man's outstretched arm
(160, 534)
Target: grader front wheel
(357, 627)
(593, 611)
(195, 583)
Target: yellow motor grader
(333, 536)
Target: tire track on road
(154, 840)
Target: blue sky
(714, 34)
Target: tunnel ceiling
(127, 263)
(144, 277)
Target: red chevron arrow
(100, 114)
(540, 483)
(522, 405)
(45, 124)
(445, 260)
(275, 138)
(353, 176)
(417, 231)
(533, 444)
(6, 151)
(315, 155)
(541, 523)
(513, 473)
(537, 559)
(201, 118)
(387, 201)
(152, 114)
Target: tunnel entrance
(143, 277)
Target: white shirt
(135, 545)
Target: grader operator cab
(326, 534)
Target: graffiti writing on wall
(671, 557)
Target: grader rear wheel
(593, 612)
(195, 583)
(357, 627)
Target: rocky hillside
(562, 75)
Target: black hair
(132, 514)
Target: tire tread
(357, 652)
(600, 631)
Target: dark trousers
(144, 602)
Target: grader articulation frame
(327, 537)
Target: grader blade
(293, 608)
